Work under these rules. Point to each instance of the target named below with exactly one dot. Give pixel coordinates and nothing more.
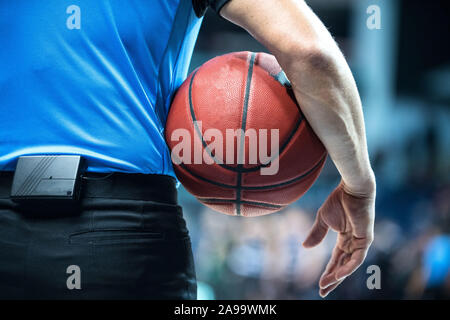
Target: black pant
(113, 244)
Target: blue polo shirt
(94, 78)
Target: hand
(352, 215)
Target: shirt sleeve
(200, 6)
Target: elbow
(312, 58)
(318, 59)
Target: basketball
(238, 139)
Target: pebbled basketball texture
(244, 90)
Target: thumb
(318, 232)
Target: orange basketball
(238, 139)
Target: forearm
(329, 98)
(320, 76)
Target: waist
(118, 185)
(147, 155)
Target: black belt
(131, 186)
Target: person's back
(94, 78)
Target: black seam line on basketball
(197, 129)
(261, 204)
(240, 165)
(227, 186)
(225, 166)
(245, 108)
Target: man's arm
(324, 86)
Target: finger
(331, 266)
(325, 292)
(318, 232)
(328, 278)
(353, 264)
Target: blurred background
(403, 73)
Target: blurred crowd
(262, 258)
